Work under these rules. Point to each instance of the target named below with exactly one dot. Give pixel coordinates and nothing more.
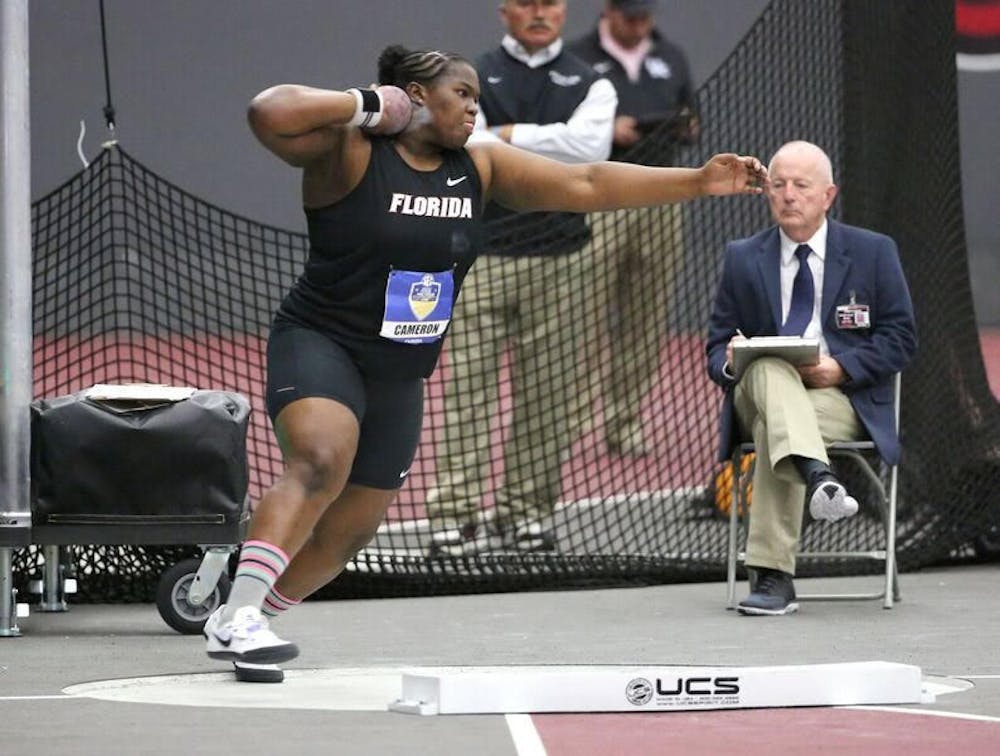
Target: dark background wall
(979, 126)
(182, 72)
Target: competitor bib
(417, 306)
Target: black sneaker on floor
(466, 540)
(530, 536)
(258, 673)
(773, 594)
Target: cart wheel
(172, 598)
(987, 545)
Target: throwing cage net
(137, 280)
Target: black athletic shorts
(302, 362)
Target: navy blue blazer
(861, 265)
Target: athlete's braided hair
(399, 66)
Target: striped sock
(276, 602)
(260, 566)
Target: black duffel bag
(127, 461)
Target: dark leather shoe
(773, 594)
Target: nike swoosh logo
(455, 182)
(407, 470)
(494, 79)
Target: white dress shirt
(584, 138)
(790, 266)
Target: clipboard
(795, 349)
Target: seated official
(813, 277)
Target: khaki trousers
(783, 418)
(644, 251)
(548, 311)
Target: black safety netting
(138, 280)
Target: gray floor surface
(948, 624)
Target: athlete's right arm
(301, 124)
(523, 181)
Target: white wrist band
(367, 109)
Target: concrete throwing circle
(343, 689)
(368, 689)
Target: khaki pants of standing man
(548, 311)
(645, 249)
(784, 418)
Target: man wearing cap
(644, 247)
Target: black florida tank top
(396, 220)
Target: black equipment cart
(142, 464)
